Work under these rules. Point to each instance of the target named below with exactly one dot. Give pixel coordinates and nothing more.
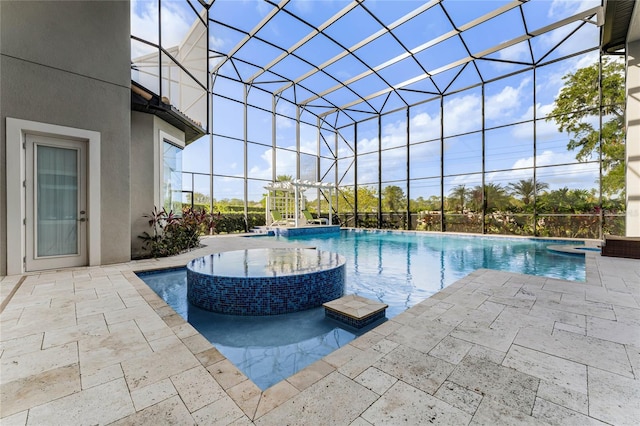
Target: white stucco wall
(66, 63)
(146, 153)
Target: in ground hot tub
(265, 281)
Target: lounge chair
(278, 220)
(308, 217)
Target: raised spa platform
(355, 311)
(265, 281)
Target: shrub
(172, 234)
(235, 222)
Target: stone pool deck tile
(310, 375)
(96, 345)
(87, 406)
(559, 371)
(334, 400)
(405, 404)
(376, 380)
(565, 397)
(559, 415)
(613, 398)
(274, 397)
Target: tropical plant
(172, 234)
(459, 195)
(495, 197)
(525, 189)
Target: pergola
(287, 197)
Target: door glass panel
(57, 198)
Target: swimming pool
(398, 268)
(267, 349)
(403, 268)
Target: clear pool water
(267, 349)
(257, 263)
(397, 268)
(404, 268)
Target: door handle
(82, 219)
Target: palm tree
(495, 196)
(459, 193)
(525, 189)
(476, 197)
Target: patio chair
(308, 217)
(278, 220)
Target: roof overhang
(143, 100)
(617, 25)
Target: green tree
(394, 199)
(367, 198)
(579, 101)
(565, 200)
(419, 204)
(525, 189)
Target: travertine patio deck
(97, 346)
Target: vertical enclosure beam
(407, 220)
(483, 213)
(535, 153)
(443, 224)
(246, 154)
(355, 174)
(379, 171)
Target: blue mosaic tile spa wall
(265, 295)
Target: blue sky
(506, 101)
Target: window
(171, 180)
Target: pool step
(355, 311)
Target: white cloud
(462, 114)
(177, 18)
(367, 145)
(577, 175)
(517, 52)
(394, 134)
(424, 127)
(563, 8)
(216, 43)
(506, 102)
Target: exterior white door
(56, 203)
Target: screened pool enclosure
(436, 115)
